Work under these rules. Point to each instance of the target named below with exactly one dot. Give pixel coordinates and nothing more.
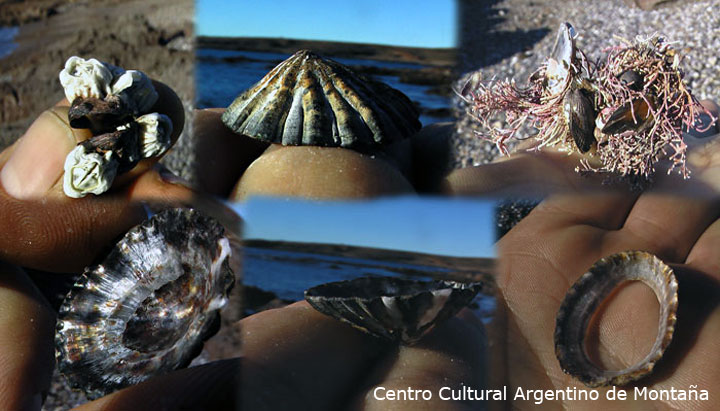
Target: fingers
(432, 373)
(34, 166)
(522, 175)
(26, 338)
(36, 163)
(704, 255)
(297, 358)
(65, 235)
(665, 225)
(62, 236)
(221, 155)
(161, 189)
(213, 386)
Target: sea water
(223, 74)
(288, 274)
(7, 34)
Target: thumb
(35, 163)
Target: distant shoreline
(427, 56)
(462, 264)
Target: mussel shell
(635, 115)
(564, 48)
(394, 309)
(586, 295)
(310, 100)
(148, 307)
(581, 118)
(632, 80)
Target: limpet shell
(394, 309)
(588, 293)
(148, 307)
(310, 100)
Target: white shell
(93, 78)
(88, 172)
(136, 89)
(155, 131)
(85, 78)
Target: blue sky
(415, 23)
(455, 227)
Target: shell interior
(394, 309)
(148, 307)
(310, 100)
(585, 296)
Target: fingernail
(37, 162)
(170, 177)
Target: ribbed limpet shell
(148, 307)
(310, 100)
(588, 293)
(394, 309)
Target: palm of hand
(559, 240)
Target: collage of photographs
(359, 205)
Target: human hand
(577, 223)
(44, 229)
(47, 230)
(295, 357)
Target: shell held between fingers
(147, 309)
(113, 104)
(586, 295)
(310, 100)
(393, 309)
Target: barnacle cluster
(113, 103)
(628, 110)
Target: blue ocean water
(7, 34)
(223, 74)
(288, 274)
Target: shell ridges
(148, 307)
(393, 309)
(588, 293)
(309, 100)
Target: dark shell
(635, 115)
(394, 309)
(309, 100)
(585, 296)
(148, 307)
(581, 118)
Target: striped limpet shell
(310, 100)
(586, 295)
(148, 307)
(393, 309)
